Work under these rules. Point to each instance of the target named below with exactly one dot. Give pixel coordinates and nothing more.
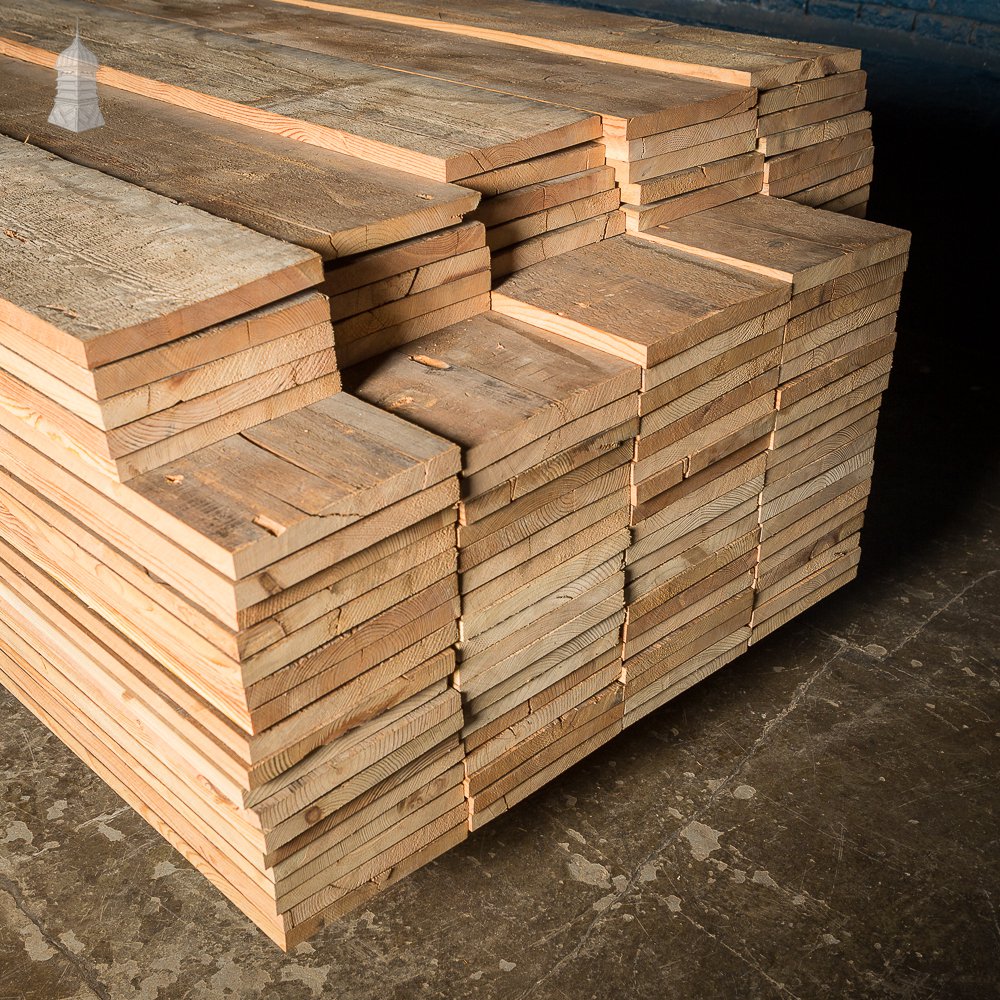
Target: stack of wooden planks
(817, 142)
(125, 389)
(845, 277)
(317, 636)
(708, 338)
(543, 528)
(494, 142)
(384, 298)
(253, 641)
(812, 129)
(660, 129)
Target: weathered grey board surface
(428, 127)
(325, 201)
(99, 269)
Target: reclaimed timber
(195, 270)
(381, 116)
(293, 191)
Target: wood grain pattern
(292, 191)
(194, 269)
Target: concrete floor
(817, 820)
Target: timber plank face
(315, 198)
(382, 116)
(631, 100)
(618, 39)
(845, 276)
(187, 262)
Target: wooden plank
(580, 296)
(680, 138)
(560, 241)
(389, 338)
(811, 114)
(639, 218)
(712, 660)
(383, 116)
(807, 135)
(550, 219)
(822, 193)
(630, 98)
(537, 170)
(821, 173)
(785, 165)
(614, 440)
(617, 39)
(820, 89)
(546, 688)
(648, 168)
(687, 643)
(784, 241)
(692, 179)
(397, 286)
(809, 597)
(542, 708)
(377, 265)
(525, 381)
(183, 258)
(293, 191)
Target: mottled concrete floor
(819, 820)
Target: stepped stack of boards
(316, 636)
(543, 528)
(811, 120)
(817, 143)
(270, 612)
(708, 338)
(845, 277)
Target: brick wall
(974, 23)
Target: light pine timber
(822, 173)
(807, 596)
(613, 440)
(391, 337)
(72, 437)
(574, 688)
(784, 241)
(807, 135)
(525, 381)
(639, 218)
(715, 658)
(680, 138)
(636, 170)
(550, 166)
(214, 343)
(385, 117)
(821, 89)
(397, 286)
(692, 179)
(401, 258)
(777, 168)
(627, 98)
(168, 394)
(551, 219)
(618, 39)
(839, 186)
(293, 191)
(687, 642)
(559, 241)
(195, 269)
(546, 688)
(607, 296)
